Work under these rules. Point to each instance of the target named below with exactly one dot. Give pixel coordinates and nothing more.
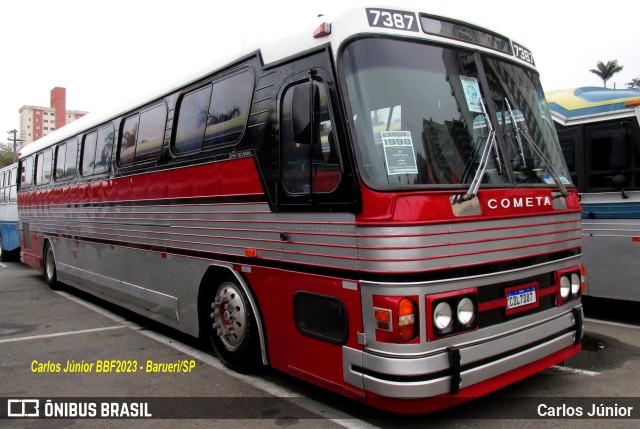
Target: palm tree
(635, 83)
(606, 70)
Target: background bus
(600, 138)
(9, 235)
(378, 205)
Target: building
(38, 121)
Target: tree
(606, 70)
(635, 83)
(6, 154)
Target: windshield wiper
(516, 133)
(534, 146)
(484, 160)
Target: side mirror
(618, 181)
(306, 109)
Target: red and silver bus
(378, 205)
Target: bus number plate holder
(521, 298)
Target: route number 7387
(388, 18)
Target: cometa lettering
(519, 202)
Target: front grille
(493, 293)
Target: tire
(50, 272)
(231, 327)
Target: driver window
(309, 168)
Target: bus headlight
(575, 284)
(442, 316)
(569, 283)
(565, 287)
(451, 313)
(466, 311)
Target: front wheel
(50, 272)
(232, 328)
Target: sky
(105, 51)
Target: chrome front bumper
(433, 374)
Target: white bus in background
(599, 133)
(9, 235)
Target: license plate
(521, 298)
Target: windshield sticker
(472, 93)
(399, 153)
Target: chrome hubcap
(228, 316)
(51, 265)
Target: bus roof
(342, 26)
(589, 104)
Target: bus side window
(612, 153)
(43, 168)
(151, 133)
(104, 146)
(192, 121)
(26, 172)
(88, 154)
(229, 109)
(309, 167)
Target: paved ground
(41, 329)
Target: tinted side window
(12, 190)
(96, 151)
(26, 171)
(151, 134)
(127, 150)
(309, 167)
(229, 109)
(43, 168)
(568, 140)
(89, 153)
(61, 153)
(104, 146)
(71, 158)
(321, 317)
(66, 156)
(192, 120)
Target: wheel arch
(211, 277)
(43, 251)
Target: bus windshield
(428, 115)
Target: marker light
(396, 319)
(383, 319)
(323, 29)
(407, 319)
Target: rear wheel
(231, 327)
(50, 272)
